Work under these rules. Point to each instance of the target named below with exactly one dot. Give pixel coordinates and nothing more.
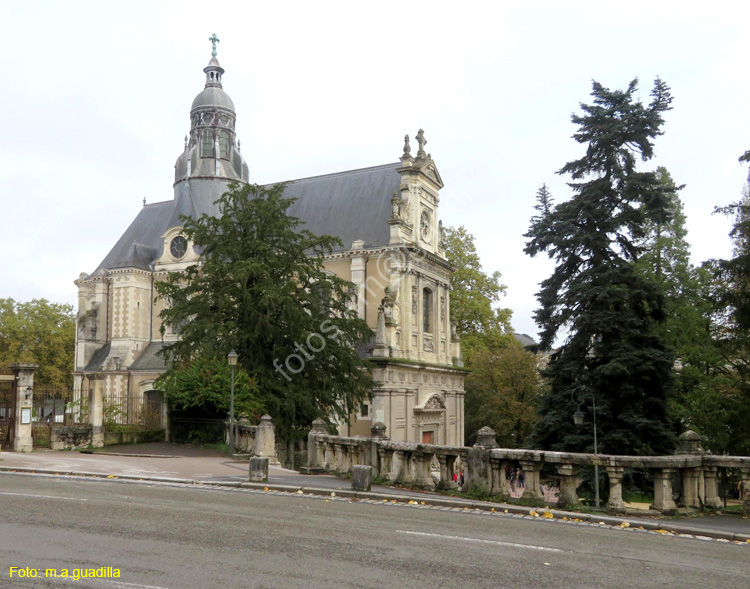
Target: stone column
(615, 502)
(398, 467)
(711, 497)
(96, 409)
(497, 477)
(568, 484)
(265, 444)
(531, 480)
(446, 472)
(663, 490)
(22, 440)
(690, 487)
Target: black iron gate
(7, 412)
(50, 407)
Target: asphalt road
(162, 536)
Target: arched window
(427, 310)
(224, 145)
(207, 145)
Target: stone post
(361, 478)
(497, 476)
(265, 441)
(446, 477)
(315, 449)
(615, 474)
(22, 440)
(258, 469)
(663, 491)
(711, 497)
(690, 495)
(568, 484)
(400, 469)
(531, 488)
(96, 409)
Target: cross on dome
(214, 40)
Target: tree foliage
(474, 297)
(39, 332)
(606, 308)
(503, 391)
(261, 290)
(202, 387)
(725, 417)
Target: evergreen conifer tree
(595, 298)
(260, 289)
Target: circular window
(178, 247)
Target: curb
(558, 515)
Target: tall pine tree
(595, 297)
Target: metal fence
(7, 413)
(56, 406)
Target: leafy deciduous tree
(474, 292)
(39, 332)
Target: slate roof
(350, 205)
(149, 360)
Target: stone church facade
(387, 218)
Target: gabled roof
(350, 205)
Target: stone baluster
(497, 476)
(504, 482)
(663, 490)
(711, 496)
(690, 495)
(615, 474)
(568, 484)
(398, 466)
(423, 476)
(446, 478)
(531, 488)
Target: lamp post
(232, 357)
(578, 420)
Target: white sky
(96, 97)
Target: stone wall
(70, 437)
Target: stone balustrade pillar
(663, 490)
(568, 484)
(446, 472)
(423, 476)
(265, 441)
(531, 488)
(690, 495)
(711, 494)
(407, 467)
(96, 409)
(22, 417)
(497, 476)
(615, 474)
(314, 448)
(398, 466)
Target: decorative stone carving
(414, 299)
(422, 142)
(407, 147)
(395, 205)
(442, 310)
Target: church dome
(213, 96)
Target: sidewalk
(188, 464)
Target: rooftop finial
(214, 40)
(422, 142)
(144, 201)
(407, 147)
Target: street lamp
(578, 420)
(232, 357)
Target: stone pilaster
(615, 503)
(663, 490)
(568, 484)
(22, 440)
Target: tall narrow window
(207, 145)
(427, 310)
(223, 145)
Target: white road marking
(45, 496)
(480, 541)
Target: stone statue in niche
(395, 206)
(414, 300)
(442, 309)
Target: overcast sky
(96, 98)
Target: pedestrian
(512, 481)
(462, 478)
(507, 472)
(521, 477)
(455, 478)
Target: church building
(387, 218)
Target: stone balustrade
(431, 466)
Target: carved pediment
(430, 170)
